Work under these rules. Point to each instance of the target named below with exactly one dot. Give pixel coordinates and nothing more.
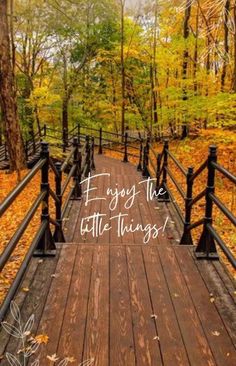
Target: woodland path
(122, 302)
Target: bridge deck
(123, 303)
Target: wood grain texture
(121, 333)
(221, 345)
(196, 344)
(169, 333)
(146, 347)
(123, 303)
(97, 327)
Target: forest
(141, 96)
(166, 67)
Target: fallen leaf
(53, 357)
(25, 289)
(70, 359)
(42, 338)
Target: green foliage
(73, 50)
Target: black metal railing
(206, 246)
(63, 139)
(106, 140)
(78, 164)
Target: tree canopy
(156, 65)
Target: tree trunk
(65, 103)
(154, 71)
(122, 2)
(196, 55)
(185, 61)
(226, 44)
(8, 96)
(234, 77)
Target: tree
(185, 60)
(8, 95)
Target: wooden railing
(78, 164)
(206, 247)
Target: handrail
(66, 162)
(223, 208)
(5, 305)
(68, 180)
(19, 188)
(225, 172)
(180, 190)
(206, 247)
(177, 163)
(44, 240)
(222, 245)
(199, 171)
(198, 197)
(20, 231)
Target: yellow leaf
(25, 289)
(42, 338)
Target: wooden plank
(52, 318)
(146, 347)
(75, 317)
(97, 327)
(35, 300)
(127, 184)
(121, 333)
(71, 220)
(228, 281)
(19, 299)
(104, 209)
(223, 298)
(170, 338)
(219, 341)
(198, 350)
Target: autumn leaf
(53, 357)
(215, 333)
(42, 339)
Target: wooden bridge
(106, 298)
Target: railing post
(46, 245)
(92, 154)
(206, 247)
(145, 172)
(139, 167)
(187, 236)
(76, 162)
(158, 172)
(165, 197)
(125, 159)
(58, 234)
(100, 142)
(88, 162)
